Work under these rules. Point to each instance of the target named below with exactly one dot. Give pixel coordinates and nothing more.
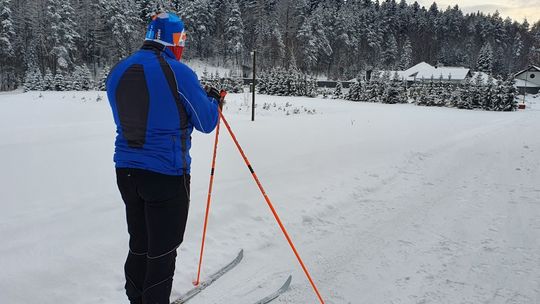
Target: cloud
(518, 13)
(515, 9)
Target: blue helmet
(167, 29)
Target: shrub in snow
(230, 84)
(87, 81)
(324, 92)
(59, 82)
(48, 81)
(338, 92)
(355, 92)
(283, 82)
(102, 78)
(508, 98)
(33, 80)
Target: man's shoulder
(181, 67)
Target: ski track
(386, 204)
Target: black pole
(253, 89)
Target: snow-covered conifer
(509, 95)
(59, 82)
(338, 92)
(485, 59)
(234, 31)
(477, 92)
(62, 34)
(122, 21)
(355, 92)
(7, 51)
(517, 49)
(101, 83)
(465, 100)
(33, 80)
(48, 81)
(389, 52)
(406, 55)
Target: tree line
(337, 38)
(491, 94)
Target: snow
(386, 203)
(199, 66)
(422, 66)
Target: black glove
(217, 95)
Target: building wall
(532, 78)
(529, 90)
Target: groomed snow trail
(386, 203)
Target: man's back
(156, 103)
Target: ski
(211, 279)
(277, 293)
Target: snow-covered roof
(533, 67)
(520, 83)
(426, 71)
(446, 73)
(420, 67)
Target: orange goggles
(179, 39)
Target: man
(156, 102)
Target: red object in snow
(521, 106)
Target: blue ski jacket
(156, 102)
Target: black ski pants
(156, 210)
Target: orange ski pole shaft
(208, 201)
(209, 198)
(276, 216)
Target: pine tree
(355, 92)
(498, 99)
(485, 59)
(534, 53)
(517, 49)
(389, 52)
(406, 55)
(477, 93)
(59, 82)
(200, 22)
(465, 101)
(509, 95)
(315, 43)
(489, 98)
(234, 31)
(75, 80)
(7, 52)
(33, 80)
(101, 84)
(123, 23)
(62, 36)
(48, 81)
(147, 8)
(87, 82)
(338, 94)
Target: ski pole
(209, 198)
(267, 199)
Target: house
(528, 80)
(424, 71)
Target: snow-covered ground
(386, 203)
(199, 67)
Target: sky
(515, 9)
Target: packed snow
(386, 203)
